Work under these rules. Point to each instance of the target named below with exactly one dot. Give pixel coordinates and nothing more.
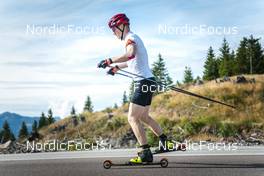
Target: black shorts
(143, 91)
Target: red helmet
(118, 19)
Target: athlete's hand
(105, 63)
(112, 71)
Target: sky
(49, 49)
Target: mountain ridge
(15, 120)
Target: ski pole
(124, 75)
(178, 89)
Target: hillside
(181, 116)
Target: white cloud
(105, 95)
(88, 49)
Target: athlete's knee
(132, 119)
(147, 118)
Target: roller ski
(144, 158)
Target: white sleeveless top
(139, 64)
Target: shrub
(234, 98)
(227, 129)
(115, 124)
(195, 125)
(153, 140)
(188, 126)
(261, 96)
(246, 124)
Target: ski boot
(144, 156)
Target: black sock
(163, 137)
(146, 146)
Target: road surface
(243, 162)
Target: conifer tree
(7, 134)
(42, 120)
(124, 99)
(23, 132)
(210, 66)
(50, 117)
(188, 75)
(160, 72)
(225, 67)
(35, 127)
(88, 106)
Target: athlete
(136, 59)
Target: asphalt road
(246, 162)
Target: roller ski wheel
(164, 162)
(107, 164)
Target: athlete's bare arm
(131, 51)
(122, 65)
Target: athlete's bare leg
(148, 120)
(134, 118)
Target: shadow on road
(216, 165)
(196, 165)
